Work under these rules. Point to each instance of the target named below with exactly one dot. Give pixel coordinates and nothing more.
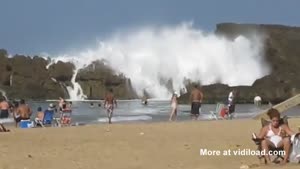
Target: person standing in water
(109, 103)
(231, 103)
(196, 100)
(144, 100)
(174, 105)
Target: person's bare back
(196, 95)
(109, 98)
(24, 111)
(196, 100)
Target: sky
(55, 26)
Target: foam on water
(126, 118)
(161, 59)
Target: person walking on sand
(109, 103)
(196, 100)
(174, 104)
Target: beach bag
(295, 154)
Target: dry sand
(132, 146)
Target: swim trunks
(195, 108)
(4, 114)
(19, 118)
(231, 108)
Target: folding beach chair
(264, 122)
(216, 114)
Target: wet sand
(166, 145)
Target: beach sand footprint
(187, 146)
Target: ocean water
(134, 111)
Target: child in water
(174, 104)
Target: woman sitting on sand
(274, 135)
(174, 104)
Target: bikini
(274, 138)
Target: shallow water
(134, 111)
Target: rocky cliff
(282, 52)
(27, 77)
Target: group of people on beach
(19, 110)
(196, 99)
(275, 135)
(22, 111)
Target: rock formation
(27, 77)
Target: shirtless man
(4, 108)
(109, 104)
(23, 112)
(196, 100)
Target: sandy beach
(173, 145)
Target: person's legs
(38, 122)
(231, 111)
(109, 117)
(17, 120)
(195, 110)
(198, 110)
(192, 109)
(175, 114)
(265, 144)
(3, 129)
(172, 114)
(196, 116)
(286, 144)
(110, 114)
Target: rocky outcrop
(27, 77)
(282, 52)
(97, 78)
